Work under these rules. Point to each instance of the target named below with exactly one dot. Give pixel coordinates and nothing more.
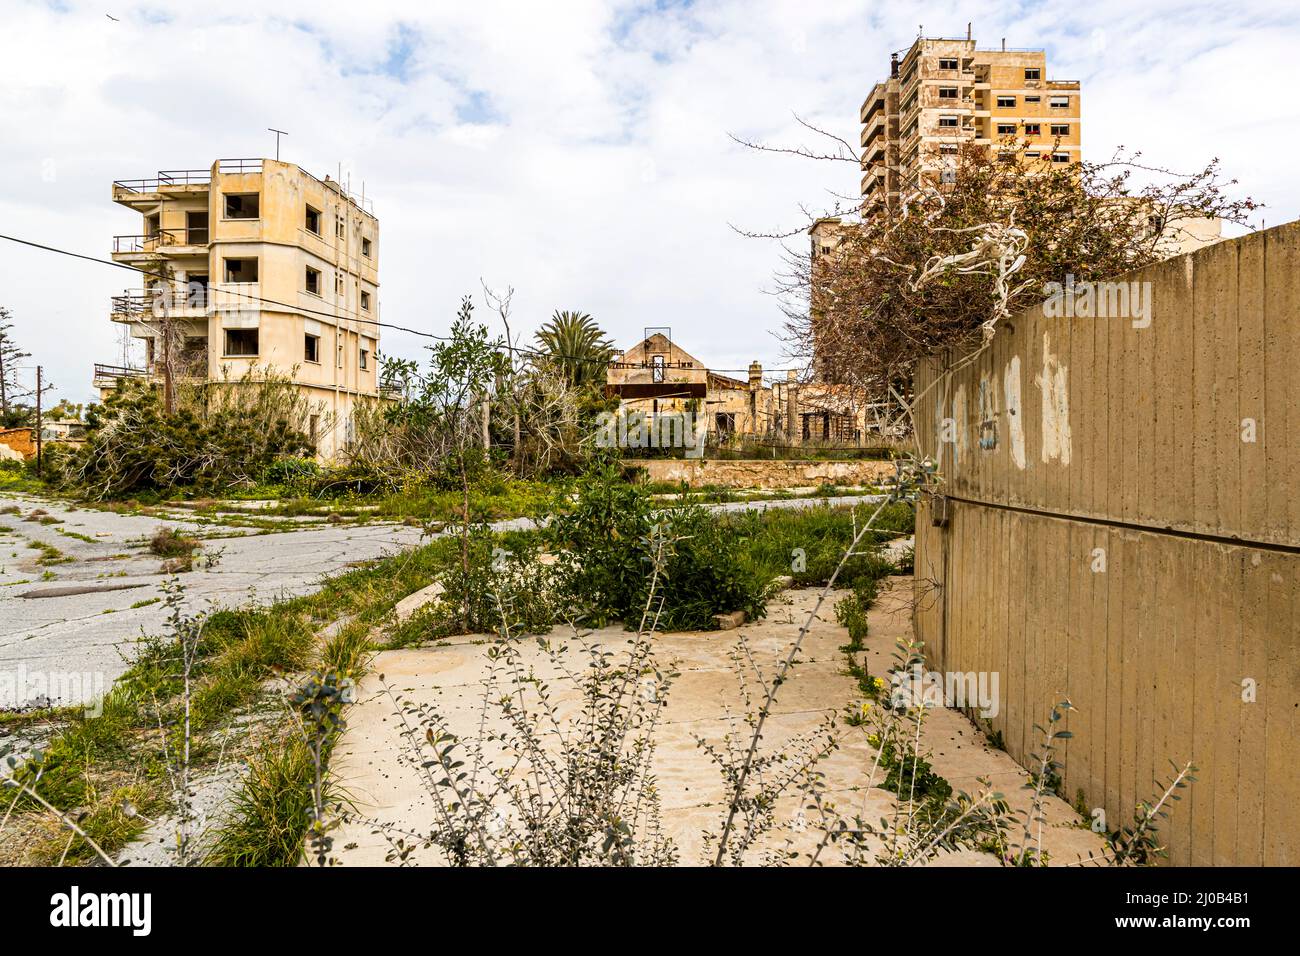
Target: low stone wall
(762, 473)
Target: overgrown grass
(807, 543)
(272, 808)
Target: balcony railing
(166, 179)
(197, 236)
(107, 376)
(150, 303)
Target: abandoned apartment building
(657, 377)
(249, 267)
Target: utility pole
(169, 389)
(38, 419)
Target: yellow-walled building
(945, 92)
(254, 265)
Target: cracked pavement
(85, 638)
(69, 645)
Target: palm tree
(577, 345)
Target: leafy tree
(577, 346)
(222, 433)
(446, 413)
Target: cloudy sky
(574, 149)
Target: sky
(575, 150)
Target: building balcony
(164, 242)
(143, 305)
(168, 184)
(108, 376)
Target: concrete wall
(1172, 453)
(760, 473)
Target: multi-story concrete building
(946, 92)
(254, 265)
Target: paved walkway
(371, 765)
(79, 624)
(74, 632)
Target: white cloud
(574, 150)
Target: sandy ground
(374, 767)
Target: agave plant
(577, 345)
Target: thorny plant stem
(738, 788)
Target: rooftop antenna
(278, 133)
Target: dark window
(365, 355)
(1060, 129)
(365, 248)
(311, 348)
(365, 300)
(1033, 129)
(1059, 102)
(241, 342)
(242, 206)
(947, 92)
(313, 281)
(1033, 99)
(196, 228)
(1006, 101)
(1006, 129)
(1033, 73)
(241, 270)
(313, 220)
(1060, 157)
(947, 64)
(948, 122)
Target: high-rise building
(249, 266)
(945, 92)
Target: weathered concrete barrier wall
(1120, 525)
(761, 473)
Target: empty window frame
(1059, 102)
(340, 227)
(364, 358)
(365, 247)
(947, 63)
(1006, 102)
(656, 368)
(242, 206)
(1033, 73)
(241, 343)
(240, 270)
(339, 286)
(947, 92)
(313, 281)
(311, 348)
(365, 300)
(313, 220)
(1060, 129)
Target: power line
(330, 315)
